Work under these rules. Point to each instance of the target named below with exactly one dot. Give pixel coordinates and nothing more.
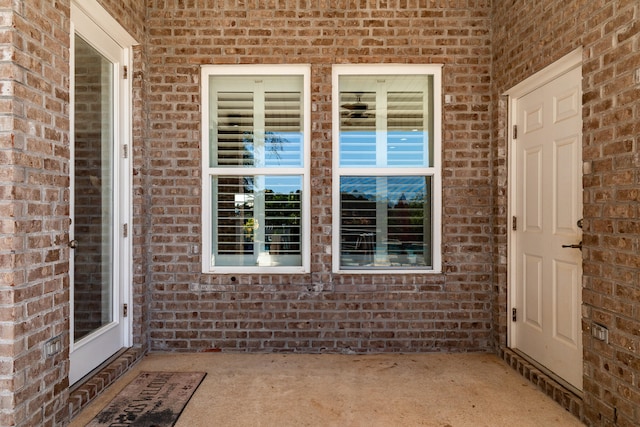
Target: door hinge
(125, 230)
(125, 72)
(514, 315)
(125, 310)
(514, 223)
(515, 131)
(125, 151)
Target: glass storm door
(97, 329)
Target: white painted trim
(94, 11)
(435, 172)
(72, 198)
(83, 15)
(544, 76)
(537, 80)
(205, 250)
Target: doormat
(153, 399)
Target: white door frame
(548, 74)
(81, 12)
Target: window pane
(283, 129)
(256, 121)
(387, 127)
(406, 129)
(94, 192)
(357, 129)
(234, 130)
(258, 220)
(385, 221)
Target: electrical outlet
(53, 346)
(600, 332)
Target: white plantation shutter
(235, 112)
(358, 136)
(256, 126)
(234, 206)
(406, 129)
(283, 128)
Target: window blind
(405, 129)
(235, 211)
(358, 128)
(259, 132)
(235, 128)
(283, 128)
(258, 214)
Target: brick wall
(320, 311)
(10, 176)
(130, 15)
(141, 205)
(527, 36)
(34, 209)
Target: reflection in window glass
(93, 189)
(385, 221)
(258, 220)
(389, 127)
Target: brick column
(34, 211)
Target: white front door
(99, 209)
(546, 280)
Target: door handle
(578, 246)
(73, 244)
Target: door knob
(580, 222)
(73, 244)
(578, 246)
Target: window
(255, 168)
(387, 179)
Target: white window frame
(208, 172)
(434, 172)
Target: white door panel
(566, 289)
(567, 189)
(548, 200)
(532, 278)
(533, 203)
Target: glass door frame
(91, 22)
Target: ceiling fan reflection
(358, 109)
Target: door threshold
(90, 386)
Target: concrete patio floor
(443, 390)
